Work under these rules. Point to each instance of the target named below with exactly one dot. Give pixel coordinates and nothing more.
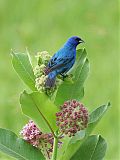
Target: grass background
(45, 25)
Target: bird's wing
(56, 62)
(53, 61)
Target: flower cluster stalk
(55, 147)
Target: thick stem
(55, 147)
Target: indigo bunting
(62, 61)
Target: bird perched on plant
(62, 61)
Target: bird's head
(74, 41)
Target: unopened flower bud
(43, 57)
(40, 73)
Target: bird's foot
(66, 77)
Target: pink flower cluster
(43, 141)
(72, 118)
(35, 137)
(31, 133)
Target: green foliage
(93, 148)
(95, 117)
(78, 136)
(17, 147)
(22, 65)
(80, 72)
(38, 107)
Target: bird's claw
(66, 77)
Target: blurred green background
(45, 25)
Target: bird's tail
(50, 82)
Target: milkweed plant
(60, 125)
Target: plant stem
(55, 147)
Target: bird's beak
(81, 41)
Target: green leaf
(39, 108)
(95, 117)
(78, 136)
(22, 65)
(17, 147)
(67, 141)
(93, 148)
(74, 90)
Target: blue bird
(62, 61)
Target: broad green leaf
(95, 117)
(38, 107)
(17, 147)
(74, 90)
(22, 65)
(93, 148)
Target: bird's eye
(77, 39)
